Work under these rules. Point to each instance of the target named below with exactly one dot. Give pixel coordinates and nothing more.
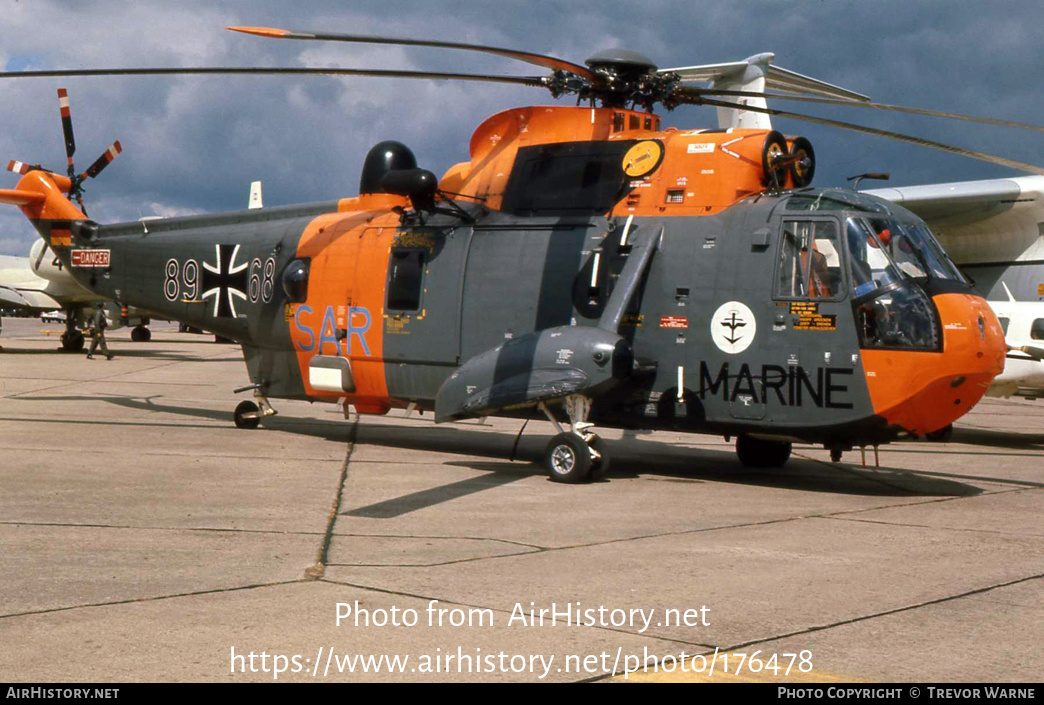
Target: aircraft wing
(994, 224)
(965, 202)
(35, 300)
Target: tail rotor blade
(21, 168)
(70, 141)
(103, 161)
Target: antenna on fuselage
(883, 176)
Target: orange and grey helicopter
(585, 263)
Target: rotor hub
(621, 62)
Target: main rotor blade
(70, 141)
(982, 156)
(547, 62)
(191, 71)
(104, 160)
(871, 105)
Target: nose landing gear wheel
(246, 415)
(568, 459)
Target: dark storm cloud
(194, 144)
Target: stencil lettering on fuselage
(220, 283)
(324, 338)
(793, 385)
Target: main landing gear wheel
(576, 455)
(72, 341)
(759, 453)
(246, 415)
(141, 334)
(568, 458)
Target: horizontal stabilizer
(20, 198)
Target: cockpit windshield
(885, 250)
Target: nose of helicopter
(923, 392)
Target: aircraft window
(1037, 329)
(901, 318)
(913, 249)
(404, 280)
(635, 123)
(810, 260)
(618, 122)
(295, 281)
(870, 266)
(648, 123)
(1004, 324)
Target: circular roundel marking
(733, 327)
(642, 158)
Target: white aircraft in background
(36, 285)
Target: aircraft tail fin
(255, 195)
(756, 74)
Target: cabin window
(635, 122)
(1037, 329)
(809, 260)
(405, 274)
(295, 281)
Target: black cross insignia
(225, 280)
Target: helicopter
(584, 263)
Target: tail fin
(255, 195)
(755, 74)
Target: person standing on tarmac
(99, 324)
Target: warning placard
(809, 317)
(90, 258)
(674, 322)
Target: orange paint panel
(349, 260)
(711, 179)
(261, 31)
(926, 391)
(54, 205)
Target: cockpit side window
(870, 266)
(893, 249)
(810, 260)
